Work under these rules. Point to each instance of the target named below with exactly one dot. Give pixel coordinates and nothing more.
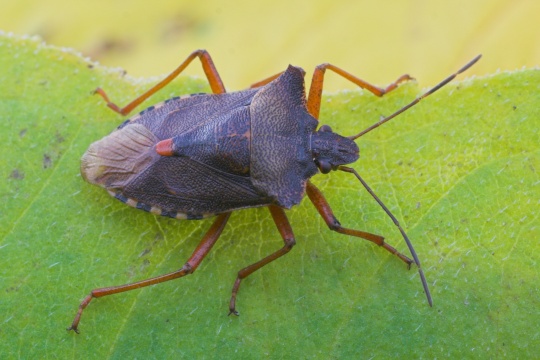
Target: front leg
(317, 82)
(324, 209)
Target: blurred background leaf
(458, 170)
(251, 40)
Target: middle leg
(286, 232)
(216, 84)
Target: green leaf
(459, 171)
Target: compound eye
(325, 128)
(324, 166)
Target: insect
(207, 155)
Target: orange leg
(317, 81)
(189, 267)
(209, 69)
(286, 232)
(322, 206)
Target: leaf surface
(459, 171)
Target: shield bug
(207, 155)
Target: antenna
(418, 99)
(394, 220)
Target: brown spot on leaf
(108, 46)
(16, 174)
(12, 289)
(59, 137)
(176, 27)
(47, 162)
(144, 252)
(144, 265)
